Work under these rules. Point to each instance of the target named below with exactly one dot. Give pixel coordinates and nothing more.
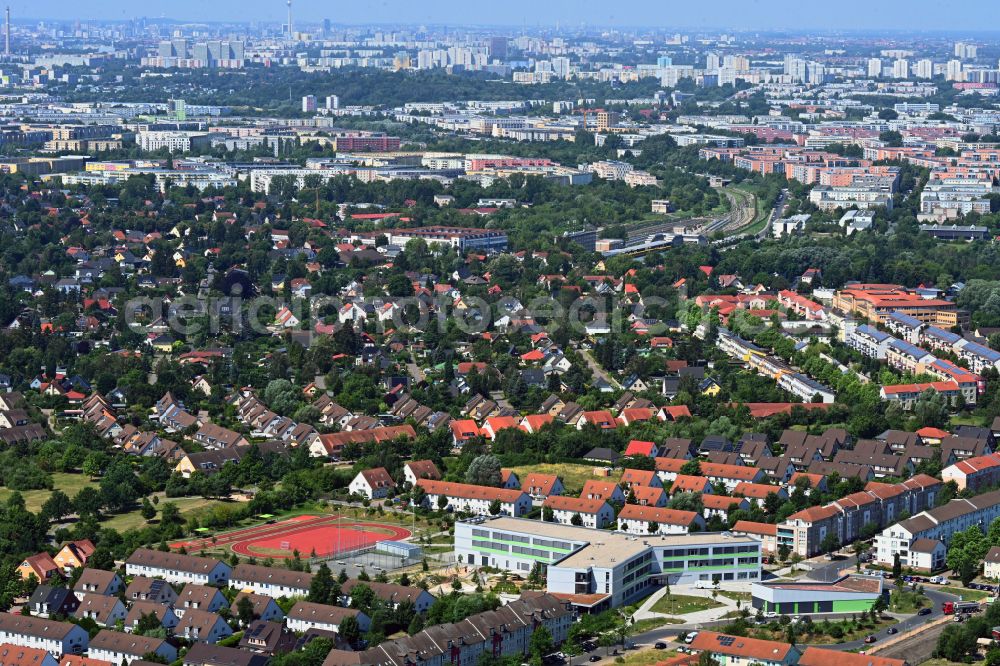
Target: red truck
(959, 607)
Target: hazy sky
(746, 14)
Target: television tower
(6, 36)
(289, 2)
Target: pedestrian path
(644, 611)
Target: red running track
(321, 539)
(258, 531)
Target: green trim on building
(546, 560)
(523, 545)
(850, 606)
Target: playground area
(320, 537)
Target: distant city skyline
(757, 15)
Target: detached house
(41, 566)
(372, 483)
(420, 469)
(74, 554)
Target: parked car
(660, 645)
(870, 638)
(690, 637)
(924, 611)
(892, 630)
(594, 657)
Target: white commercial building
(618, 566)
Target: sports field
(322, 536)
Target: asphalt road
(921, 643)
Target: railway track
(916, 647)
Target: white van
(705, 585)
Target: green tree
(57, 506)
(540, 644)
(244, 611)
(147, 510)
(349, 631)
(321, 585)
(484, 470)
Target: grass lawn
(682, 604)
(134, 520)
(645, 657)
(70, 484)
(573, 476)
(966, 593)
(966, 419)
(654, 623)
(742, 597)
(907, 601)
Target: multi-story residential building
(864, 197)
(462, 239)
(906, 357)
(904, 326)
(906, 395)
(173, 141)
(846, 518)
(975, 473)
(938, 524)
(766, 533)
(946, 201)
(501, 633)
(869, 341)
